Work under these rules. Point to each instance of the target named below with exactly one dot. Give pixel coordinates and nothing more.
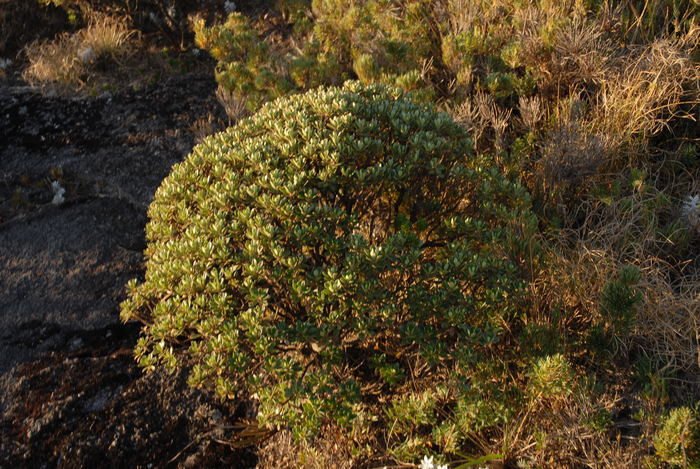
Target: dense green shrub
(339, 253)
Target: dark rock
(71, 394)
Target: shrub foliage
(677, 441)
(337, 245)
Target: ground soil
(70, 392)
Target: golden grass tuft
(108, 36)
(647, 89)
(54, 61)
(70, 59)
(581, 54)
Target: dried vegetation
(72, 59)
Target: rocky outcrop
(70, 392)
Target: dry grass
(598, 102)
(108, 36)
(665, 329)
(235, 107)
(627, 231)
(613, 102)
(577, 428)
(646, 90)
(71, 59)
(573, 283)
(569, 153)
(467, 115)
(581, 55)
(531, 114)
(668, 323)
(565, 436)
(485, 120)
(495, 116)
(331, 450)
(54, 61)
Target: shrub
(551, 377)
(247, 65)
(677, 441)
(367, 40)
(331, 256)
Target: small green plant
(599, 421)
(677, 441)
(620, 297)
(338, 242)
(618, 302)
(551, 378)
(654, 379)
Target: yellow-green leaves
(320, 249)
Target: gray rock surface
(70, 392)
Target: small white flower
(87, 54)
(693, 201)
(229, 7)
(58, 193)
(4, 63)
(427, 463)
(58, 199)
(153, 17)
(444, 466)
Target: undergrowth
(590, 359)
